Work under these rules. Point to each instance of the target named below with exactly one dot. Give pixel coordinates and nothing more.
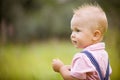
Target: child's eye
(77, 30)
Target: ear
(97, 35)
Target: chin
(78, 47)
(81, 47)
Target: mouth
(74, 42)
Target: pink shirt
(82, 68)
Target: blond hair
(95, 13)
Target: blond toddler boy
(88, 25)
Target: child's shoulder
(79, 55)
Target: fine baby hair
(95, 15)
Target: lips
(74, 42)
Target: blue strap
(95, 63)
(107, 72)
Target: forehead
(80, 20)
(75, 20)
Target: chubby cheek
(77, 43)
(80, 43)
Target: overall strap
(94, 62)
(107, 72)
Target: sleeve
(80, 66)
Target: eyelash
(77, 30)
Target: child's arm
(64, 70)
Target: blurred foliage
(39, 19)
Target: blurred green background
(33, 32)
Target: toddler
(88, 25)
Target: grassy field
(33, 61)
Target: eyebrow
(75, 28)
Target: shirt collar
(96, 46)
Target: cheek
(79, 36)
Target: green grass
(33, 61)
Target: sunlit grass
(33, 61)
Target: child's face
(81, 35)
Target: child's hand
(68, 67)
(57, 64)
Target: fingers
(56, 59)
(57, 64)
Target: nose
(73, 35)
